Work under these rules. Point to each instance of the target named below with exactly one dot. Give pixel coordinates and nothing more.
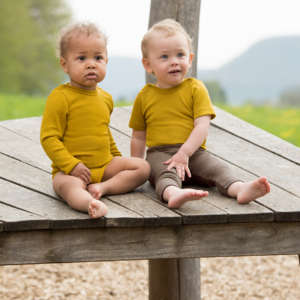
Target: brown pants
(206, 170)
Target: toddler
(172, 118)
(75, 134)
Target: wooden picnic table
(36, 227)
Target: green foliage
(28, 30)
(284, 123)
(216, 92)
(290, 97)
(20, 106)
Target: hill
(260, 73)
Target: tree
(290, 96)
(28, 31)
(216, 92)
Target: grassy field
(283, 122)
(19, 106)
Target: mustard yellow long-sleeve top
(75, 128)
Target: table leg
(174, 279)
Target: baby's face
(169, 58)
(85, 61)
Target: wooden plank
(26, 175)
(216, 208)
(98, 244)
(285, 205)
(254, 159)
(56, 213)
(23, 149)
(153, 213)
(29, 127)
(255, 135)
(119, 119)
(60, 215)
(252, 212)
(279, 202)
(119, 216)
(122, 142)
(16, 219)
(193, 212)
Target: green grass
(283, 122)
(20, 106)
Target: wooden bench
(36, 227)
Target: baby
(75, 134)
(172, 118)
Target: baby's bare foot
(176, 196)
(97, 209)
(95, 190)
(253, 190)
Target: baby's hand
(82, 172)
(179, 161)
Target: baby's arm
(180, 160)
(138, 143)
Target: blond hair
(168, 27)
(87, 29)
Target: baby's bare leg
(73, 191)
(122, 174)
(246, 192)
(176, 196)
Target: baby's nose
(174, 61)
(90, 64)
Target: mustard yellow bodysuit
(75, 129)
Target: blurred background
(249, 55)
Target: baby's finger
(188, 172)
(88, 174)
(180, 172)
(85, 178)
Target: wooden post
(176, 279)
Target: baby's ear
(192, 55)
(63, 64)
(147, 66)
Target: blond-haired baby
(172, 117)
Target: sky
(227, 27)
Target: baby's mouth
(91, 75)
(175, 71)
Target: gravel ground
(250, 278)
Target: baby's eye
(81, 57)
(99, 57)
(164, 56)
(180, 54)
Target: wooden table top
(27, 201)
